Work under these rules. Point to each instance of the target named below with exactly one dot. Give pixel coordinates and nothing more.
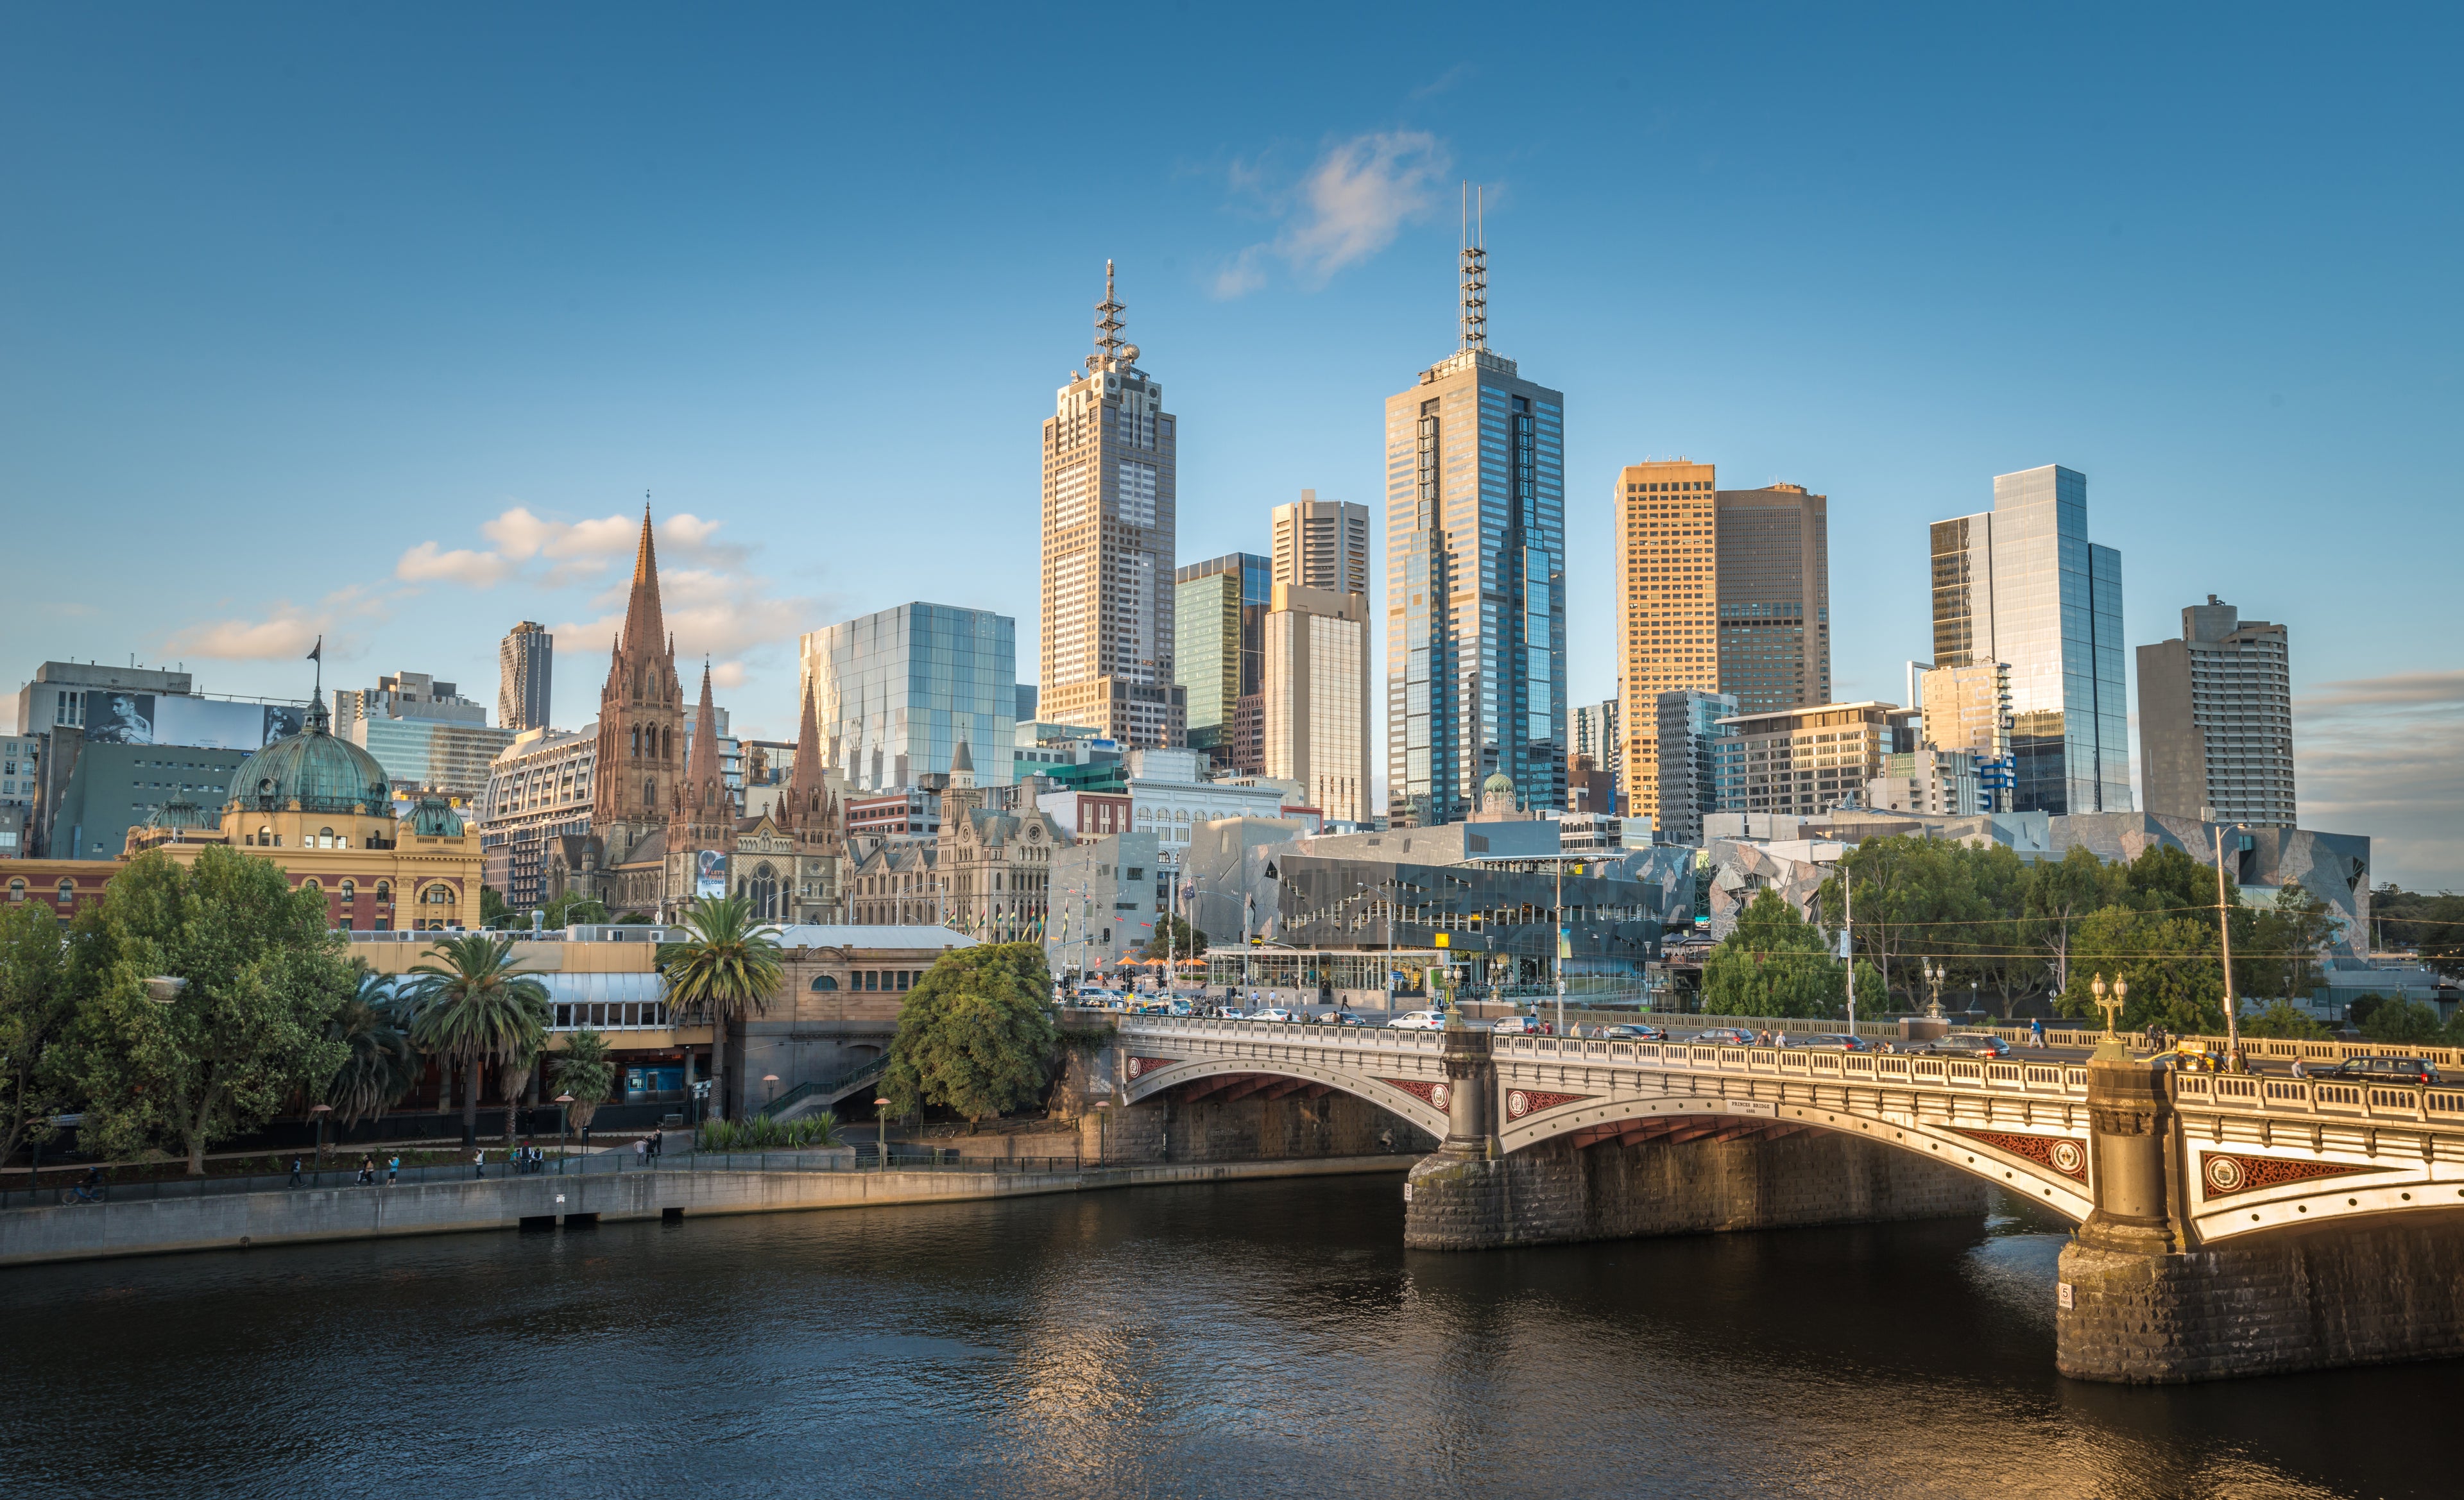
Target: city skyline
(550, 415)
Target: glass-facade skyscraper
(1475, 576)
(1220, 612)
(895, 692)
(2021, 585)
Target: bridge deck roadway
(2256, 1152)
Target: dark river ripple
(1268, 1338)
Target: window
(324, 838)
(385, 889)
(17, 890)
(350, 892)
(824, 981)
(68, 892)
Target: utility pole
(1557, 960)
(1848, 938)
(2224, 942)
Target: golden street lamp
(564, 1113)
(881, 1116)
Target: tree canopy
(728, 966)
(1773, 964)
(976, 1035)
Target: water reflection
(1243, 1339)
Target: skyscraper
(1691, 731)
(1322, 544)
(1596, 734)
(1775, 571)
(2215, 719)
(1109, 498)
(1475, 574)
(525, 662)
(1218, 636)
(1315, 728)
(1668, 592)
(895, 693)
(2021, 584)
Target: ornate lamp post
(881, 1119)
(1933, 974)
(772, 1079)
(2110, 1046)
(564, 1112)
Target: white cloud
(427, 564)
(285, 636)
(580, 550)
(1346, 207)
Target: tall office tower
(1669, 593)
(1475, 575)
(2215, 719)
(1968, 709)
(1322, 544)
(525, 662)
(895, 693)
(1109, 500)
(1689, 728)
(1316, 719)
(2021, 585)
(1595, 734)
(1220, 643)
(1775, 571)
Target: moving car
(1965, 1044)
(2406, 1071)
(1271, 1013)
(1517, 1025)
(1835, 1041)
(1724, 1036)
(1342, 1017)
(1419, 1021)
(1623, 1033)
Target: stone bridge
(2227, 1225)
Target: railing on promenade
(2322, 1098)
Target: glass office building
(2021, 585)
(895, 691)
(1220, 613)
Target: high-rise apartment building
(427, 736)
(1968, 710)
(1774, 581)
(1108, 515)
(896, 692)
(1475, 580)
(1220, 643)
(1690, 727)
(2021, 585)
(1669, 594)
(1595, 734)
(2215, 719)
(1807, 760)
(1322, 544)
(1316, 719)
(525, 662)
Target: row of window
(871, 979)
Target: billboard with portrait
(709, 873)
(114, 716)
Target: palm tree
(727, 964)
(583, 1069)
(475, 1008)
(383, 1064)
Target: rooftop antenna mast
(1475, 269)
(1111, 351)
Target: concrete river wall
(234, 1221)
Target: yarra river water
(1251, 1339)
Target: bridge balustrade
(2227, 1091)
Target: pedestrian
(641, 1152)
(393, 1169)
(1783, 1037)
(1764, 1036)
(479, 1162)
(367, 1171)
(2037, 1032)
(295, 1171)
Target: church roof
(962, 759)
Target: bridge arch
(1143, 1077)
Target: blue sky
(370, 323)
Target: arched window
(637, 743)
(68, 892)
(650, 792)
(350, 892)
(824, 981)
(437, 896)
(667, 744)
(385, 889)
(312, 888)
(17, 890)
(264, 836)
(324, 838)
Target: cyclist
(89, 1191)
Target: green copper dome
(435, 818)
(179, 813)
(316, 770)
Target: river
(1261, 1338)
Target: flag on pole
(316, 653)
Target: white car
(1419, 1021)
(1270, 1013)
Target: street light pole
(1557, 960)
(2224, 940)
(881, 1119)
(563, 1116)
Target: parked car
(1180, 1007)
(1724, 1036)
(1517, 1025)
(1837, 1042)
(2406, 1071)
(1419, 1021)
(1271, 1013)
(1342, 1017)
(1623, 1033)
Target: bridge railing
(2357, 1099)
(1371, 1038)
(2046, 1077)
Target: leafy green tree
(572, 909)
(471, 1003)
(382, 1064)
(976, 1035)
(2169, 961)
(1773, 964)
(584, 1069)
(246, 1033)
(493, 910)
(1175, 938)
(2283, 1022)
(37, 1005)
(2400, 1020)
(728, 966)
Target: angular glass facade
(2022, 584)
(1220, 612)
(896, 690)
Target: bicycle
(80, 1193)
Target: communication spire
(1474, 269)
(1108, 327)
